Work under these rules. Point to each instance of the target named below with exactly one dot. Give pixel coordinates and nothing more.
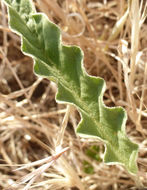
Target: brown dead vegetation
(113, 36)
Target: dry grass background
(113, 36)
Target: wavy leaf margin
(41, 39)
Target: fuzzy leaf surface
(41, 39)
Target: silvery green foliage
(41, 40)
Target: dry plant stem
(62, 130)
(68, 170)
(5, 155)
(142, 96)
(118, 26)
(123, 53)
(56, 8)
(48, 159)
(71, 175)
(46, 147)
(120, 80)
(15, 75)
(47, 162)
(135, 15)
(136, 179)
(4, 23)
(144, 14)
(4, 28)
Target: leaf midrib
(55, 73)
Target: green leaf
(41, 39)
(93, 152)
(87, 167)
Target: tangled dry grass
(113, 36)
